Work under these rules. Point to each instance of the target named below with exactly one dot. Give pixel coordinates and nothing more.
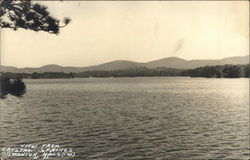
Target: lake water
(133, 118)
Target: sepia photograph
(124, 80)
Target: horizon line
(120, 60)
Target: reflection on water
(133, 118)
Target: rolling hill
(171, 62)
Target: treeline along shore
(219, 71)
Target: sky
(141, 31)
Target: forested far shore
(219, 71)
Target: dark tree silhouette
(17, 87)
(14, 87)
(28, 15)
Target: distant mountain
(8, 69)
(171, 62)
(174, 62)
(114, 65)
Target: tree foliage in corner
(28, 15)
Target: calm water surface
(133, 118)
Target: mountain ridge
(170, 62)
